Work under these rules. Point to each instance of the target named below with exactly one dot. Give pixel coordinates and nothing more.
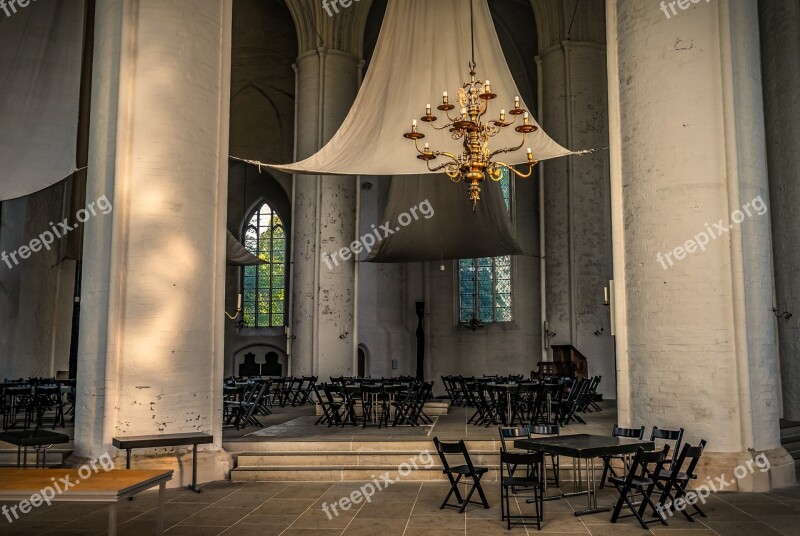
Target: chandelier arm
(448, 125)
(517, 173)
(509, 149)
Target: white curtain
(423, 49)
(40, 69)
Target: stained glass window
(485, 284)
(263, 303)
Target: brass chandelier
(476, 159)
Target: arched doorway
(362, 362)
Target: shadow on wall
(259, 360)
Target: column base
(758, 471)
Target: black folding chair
(633, 433)
(678, 477)
(467, 469)
(518, 485)
(639, 479)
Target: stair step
(321, 445)
(338, 473)
(351, 459)
(789, 431)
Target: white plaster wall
(780, 53)
(151, 339)
(577, 205)
(323, 318)
(688, 151)
(386, 317)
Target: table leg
(128, 459)
(112, 519)
(19, 457)
(162, 488)
(193, 487)
(591, 492)
(25, 457)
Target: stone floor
(407, 509)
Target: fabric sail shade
(40, 68)
(454, 231)
(423, 49)
(238, 255)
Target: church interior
(434, 267)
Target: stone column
(577, 231)
(324, 208)
(696, 341)
(151, 340)
(780, 53)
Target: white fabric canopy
(423, 49)
(40, 69)
(238, 255)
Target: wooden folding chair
(457, 472)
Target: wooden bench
(109, 487)
(165, 440)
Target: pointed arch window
(264, 285)
(485, 284)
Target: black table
(41, 440)
(165, 440)
(584, 448)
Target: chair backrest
(513, 432)
(443, 448)
(643, 459)
(634, 433)
(688, 459)
(546, 429)
(668, 436)
(510, 460)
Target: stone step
(377, 445)
(790, 438)
(301, 473)
(353, 459)
(792, 447)
(788, 432)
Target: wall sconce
(238, 309)
(605, 296)
(599, 331)
(344, 335)
(366, 185)
(786, 314)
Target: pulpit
(567, 361)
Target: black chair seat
(520, 481)
(680, 477)
(636, 481)
(465, 470)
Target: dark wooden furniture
(583, 448)
(567, 362)
(40, 440)
(107, 487)
(165, 440)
